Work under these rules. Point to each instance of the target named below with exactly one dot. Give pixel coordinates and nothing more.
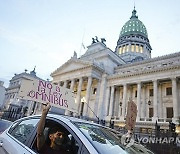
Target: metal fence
(12, 115)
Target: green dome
(134, 26)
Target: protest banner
(131, 116)
(44, 92)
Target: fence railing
(11, 115)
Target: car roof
(68, 118)
(64, 118)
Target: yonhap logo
(161, 140)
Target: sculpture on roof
(95, 40)
(75, 55)
(103, 40)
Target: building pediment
(71, 65)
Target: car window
(101, 138)
(23, 130)
(70, 143)
(107, 141)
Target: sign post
(44, 92)
(131, 116)
(126, 139)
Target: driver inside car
(56, 137)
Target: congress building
(104, 80)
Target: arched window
(132, 47)
(137, 48)
(141, 49)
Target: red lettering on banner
(42, 83)
(49, 86)
(31, 94)
(57, 89)
(39, 94)
(56, 100)
(65, 103)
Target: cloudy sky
(45, 33)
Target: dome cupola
(134, 26)
(133, 43)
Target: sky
(45, 33)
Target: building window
(169, 112)
(141, 49)
(136, 93)
(137, 48)
(150, 92)
(132, 47)
(151, 112)
(169, 91)
(82, 107)
(127, 48)
(120, 50)
(94, 91)
(124, 49)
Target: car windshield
(106, 141)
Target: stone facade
(12, 103)
(2, 93)
(103, 82)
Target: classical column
(143, 109)
(138, 101)
(59, 83)
(88, 91)
(102, 97)
(175, 100)
(135, 48)
(78, 98)
(129, 49)
(120, 103)
(155, 105)
(96, 105)
(147, 101)
(107, 101)
(124, 100)
(111, 101)
(72, 84)
(65, 84)
(160, 105)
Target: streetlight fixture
(120, 103)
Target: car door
(80, 142)
(14, 141)
(75, 143)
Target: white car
(83, 137)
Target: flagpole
(82, 45)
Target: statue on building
(96, 39)
(103, 40)
(93, 40)
(75, 55)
